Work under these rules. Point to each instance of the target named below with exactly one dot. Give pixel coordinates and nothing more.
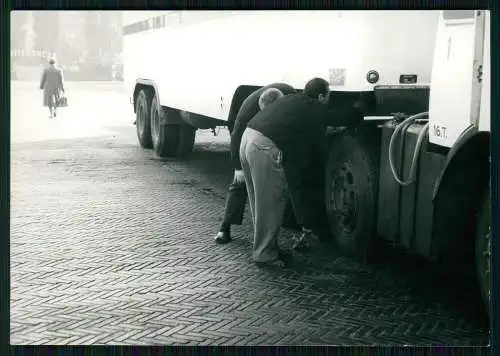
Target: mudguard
(164, 119)
(147, 82)
(240, 94)
(469, 136)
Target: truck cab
(420, 178)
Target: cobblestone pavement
(110, 245)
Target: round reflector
(372, 77)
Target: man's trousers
(267, 191)
(235, 204)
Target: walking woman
(52, 84)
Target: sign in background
(19, 52)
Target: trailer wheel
(351, 193)
(483, 249)
(170, 140)
(143, 127)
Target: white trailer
(421, 183)
(202, 64)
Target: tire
(483, 250)
(170, 140)
(351, 193)
(142, 120)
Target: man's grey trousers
(267, 191)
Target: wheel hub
(343, 198)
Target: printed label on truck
(439, 131)
(445, 135)
(336, 76)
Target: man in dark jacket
(237, 195)
(278, 149)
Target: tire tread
(146, 141)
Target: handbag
(62, 102)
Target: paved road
(110, 245)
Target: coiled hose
(420, 139)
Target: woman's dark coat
(51, 83)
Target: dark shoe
(223, 237)
(301, 243)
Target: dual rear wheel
(153, 131)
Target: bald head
(269, 96)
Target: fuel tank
(405, 212)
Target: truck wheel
(170, 140)
(351, 194)
(143, 127)
(483, 250)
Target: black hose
(420, 139)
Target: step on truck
(415, 172)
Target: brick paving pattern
(110, 245)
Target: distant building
(76, 38)
(72, 40)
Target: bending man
(278, 146)
(237, 195)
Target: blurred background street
(87, 44)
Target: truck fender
(169, 116)
(240, 94)
(457, 194)
(141, 83)
(458, 153)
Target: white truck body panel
(129, 17)
(455, 89)
(484, 110)
(200, 58)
